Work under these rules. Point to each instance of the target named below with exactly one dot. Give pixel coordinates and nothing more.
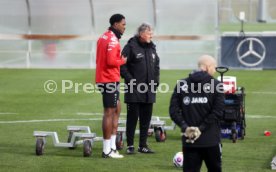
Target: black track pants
(193, 158)
(143, 111)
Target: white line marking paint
(164, 117)
(94, 114)
(251, 92)
(122, 114)
(260, 116)
(90, 114)
(99, 119)
(8, 113)
(48, 120)
(246, 116)
(259, 92)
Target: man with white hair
(196, 106)
(141, 74)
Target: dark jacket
(142, 65)
(203, 108)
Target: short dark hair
(116, 18)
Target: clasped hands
(192, 134)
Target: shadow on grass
(267, 164)
(49, 150)
(17, 148)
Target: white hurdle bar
(85, 135)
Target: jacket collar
(144, 44)
(116, 32)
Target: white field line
(246, 116)
(251, 92)
(260, 116)
(90, 113)
(48, 120)
(161, 92)
(262, 92)
(167, 117)
(94, 114)
(163, 117)
(99, 119)
(8, 113)
(100, 114)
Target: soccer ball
(178, 159)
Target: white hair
(142, 28)
(206, 60)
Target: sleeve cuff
(202, 127)
(183, 127)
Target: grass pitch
(24, 100)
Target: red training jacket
(108, 58)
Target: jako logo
(187, 100)
(199, 100)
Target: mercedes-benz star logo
(253, 44)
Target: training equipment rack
(77, 135)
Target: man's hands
(192, 134)
(189, 132)
(197, 133)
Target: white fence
(63, 33)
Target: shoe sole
(147, 152)
(112, 157)
(115, 157)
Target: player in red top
(108, 62)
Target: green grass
(22, 93)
